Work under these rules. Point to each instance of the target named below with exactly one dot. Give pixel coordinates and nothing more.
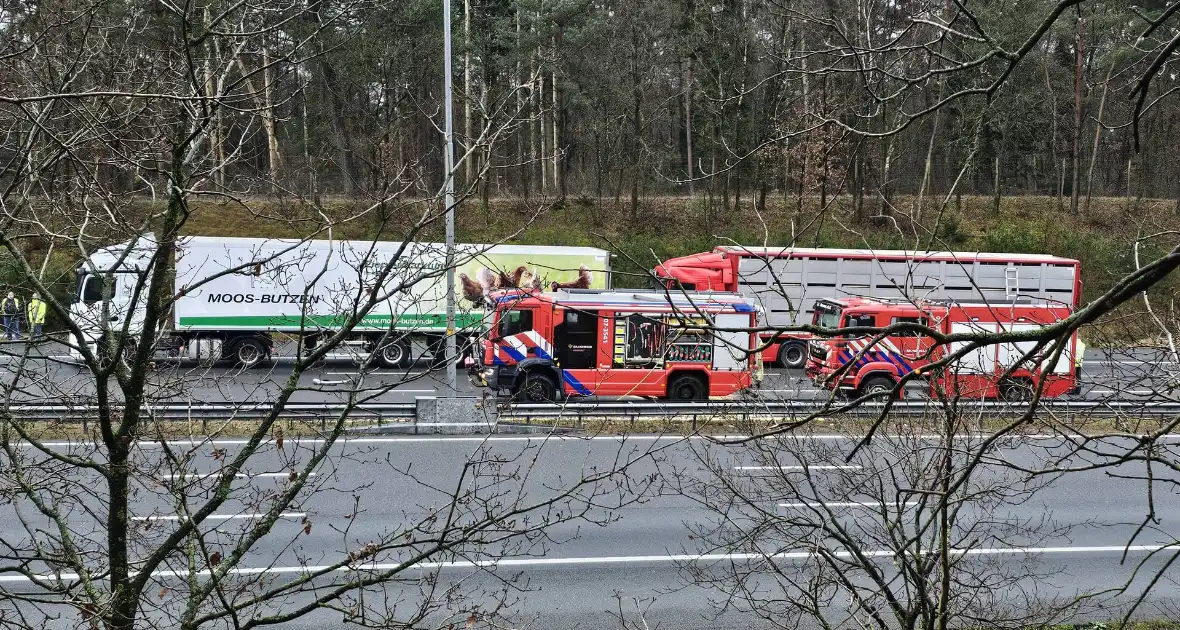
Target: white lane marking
(216, 517)
(375, 373)
(540, 562)
(837, 504)
(1125, 392)
(392, 389)
(1126, 362)
(799, 467)
(810, 390)
(236, 475)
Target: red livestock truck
(786, 282)
(543, 346)
(985, 372)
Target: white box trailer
(786, 281)
(234, 293)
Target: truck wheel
(249, 352)
(537, 388)
(1016, 390)
(394, 355)
(876, 385)
(687, 387)
(792, 355)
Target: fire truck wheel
(792, 355)
(876, 385)
(1016, 390)
(537, 388)
(687, 387)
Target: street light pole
(449, 200)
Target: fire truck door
(731, 349)
(577, 345)
(911, 344)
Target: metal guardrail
(632, 409)
(593, 409)
(399, 411)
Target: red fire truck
(981, 373)
(542, 346)
(786, 282)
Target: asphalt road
(48, 374)
(638, 541)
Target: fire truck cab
(984, 373)
(544, 346)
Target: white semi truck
(235, 295)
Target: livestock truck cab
(860, 363)
(546, 346)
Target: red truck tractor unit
(544, 346)
(786, 282)
(983, 373)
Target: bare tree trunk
(520, 105)
(885, 194)
(1061, 185)
(311, 170)
(1130, 160)
(214, 135)
(1077, 119)
(534, 133)
(268, 120)
(558, 176)
(1097, 137)
(265, 102)
(996, 184)
(218, 128)
(636, 122)
(688, 123)
(469, 162)
(485, 159)
(1053, 135)
(929, 166)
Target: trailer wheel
(249, 352)
(876, 385)
(394, 355)
(687, 387)
(792, 355)
(538, 387)
(1016, 390)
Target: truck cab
(876, 367)
(546, 346)
(860, 363)
(105, 300)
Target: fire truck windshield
(826, 315)
(513, 322)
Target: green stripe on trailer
(294, 322)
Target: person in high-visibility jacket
(36, 313)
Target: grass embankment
(666, 227)
(853, 424)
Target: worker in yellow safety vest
(36, 313)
